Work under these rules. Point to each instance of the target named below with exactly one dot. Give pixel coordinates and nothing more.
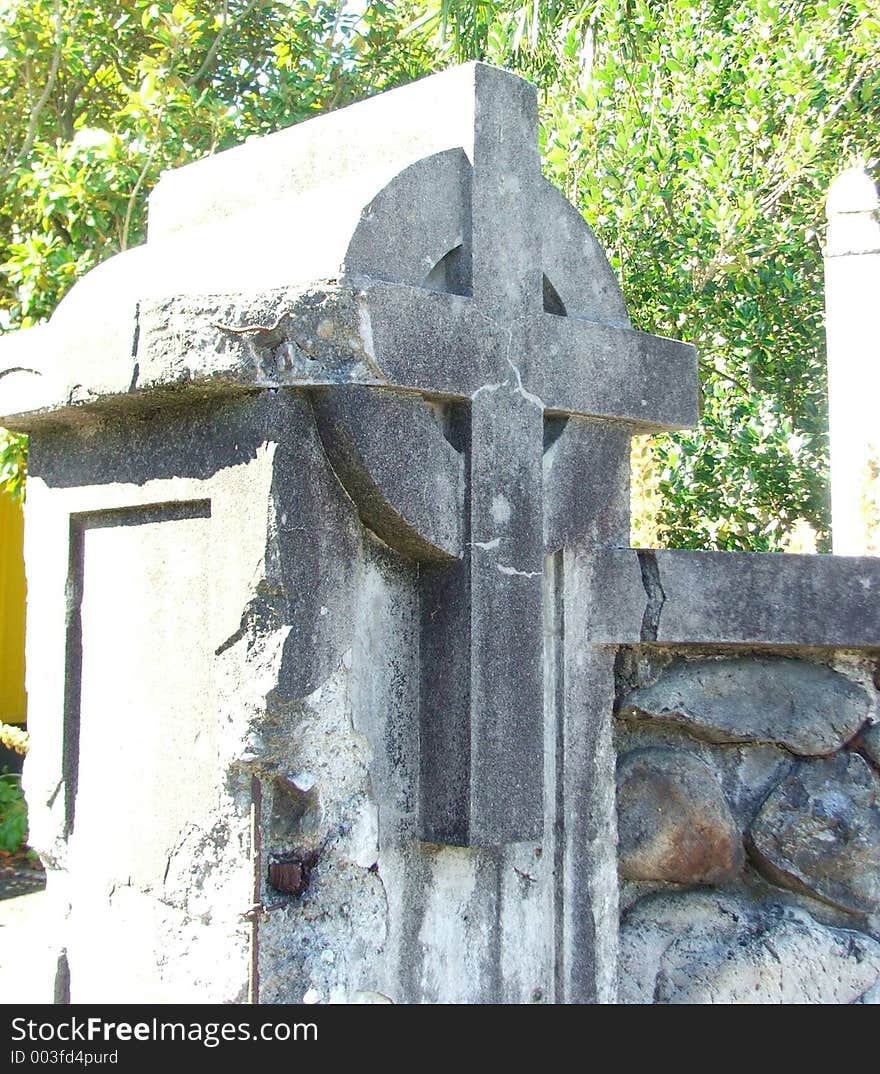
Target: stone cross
(504, 347)
(498, 350)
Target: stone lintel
(676, 597)
(185, 347)
(384, 335)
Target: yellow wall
(13, 703)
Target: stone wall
(749, 826)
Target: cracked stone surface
(819, 832)
(673, 821)
(869, 743)
(341, 918)
(808, 709)
(678, 597)
(697, 947)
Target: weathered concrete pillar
(852, 313)
(318, 480)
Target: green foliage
(697, 136)
(13, 463)
(14, 738)
(13, 813)
(114, 93)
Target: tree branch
(132, 198)
(76, 88)
(771, 199)
(211, 54)
(37, 110)
(715, 371)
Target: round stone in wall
(713, 947)
(674, 823)
(809, 709)
(819, 832)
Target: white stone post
(852, 311)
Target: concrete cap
(853, 191)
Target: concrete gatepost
(316, 478)
(326, 541)
(852, 317)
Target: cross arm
(599, 370)
(676, 597)
(448, 345)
